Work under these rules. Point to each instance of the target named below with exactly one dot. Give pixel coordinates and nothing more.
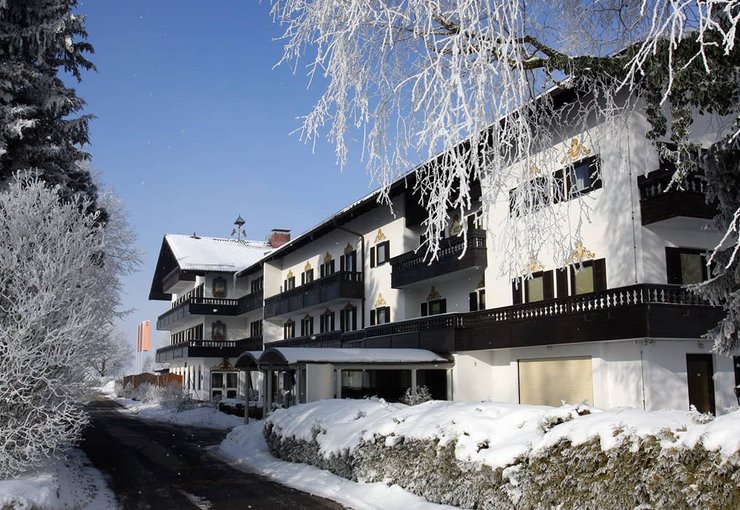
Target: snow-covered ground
(506, 430)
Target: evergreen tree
(39, 40)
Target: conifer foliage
(40, 127)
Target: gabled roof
(199, 255)
(300, 355)
(214, 253)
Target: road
(156, 465)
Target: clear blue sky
(193, 128)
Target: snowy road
(155, 465)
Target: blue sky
(193, 128)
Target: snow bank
(70, 483)
(496, 455)
(203, 416)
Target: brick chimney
(279, 237)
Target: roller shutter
(554, 380)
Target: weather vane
(238, 230)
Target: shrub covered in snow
(421, 395)
(503, 456)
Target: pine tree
(39, 129)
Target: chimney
(279, 237)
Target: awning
(248, 360)
(276, 357)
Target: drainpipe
(362, 266)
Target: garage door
(552, 381)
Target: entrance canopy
(284, 357)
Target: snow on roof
(295, 355)
(214, 253)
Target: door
(700, 375)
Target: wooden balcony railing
(340, 285)
(660, 200)
(412, 267)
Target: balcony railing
(198, 305)
(208, 349)
(659, 200)
(413, 267)
(328, 339)
(635, 311)
(250, 302)
(340, 285)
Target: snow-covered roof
(215, 254)
(298, 355)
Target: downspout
(632, 184)
(362, 266)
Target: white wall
(618, 373)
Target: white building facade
(612, 325)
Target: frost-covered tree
(40, 125)
(110, 357)
(59, 292)
(470, 80)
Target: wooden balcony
(176, 280)
(328, 339)
(412, 267)
(338, 286)
(208, 349)
(660, 202)
(197, 305)
(250, 302)
(637, 311)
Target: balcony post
(413, 381)
(339, 383)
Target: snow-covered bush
(421, 395)
(504, 456)
(58, 294)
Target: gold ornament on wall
(534, 171)
(290, 274)
(307, 267)
(380, 301)
(327, 258)
(575, 151)
(455, 225)
(580, 253)
(348, 249)
(534, 266)
(380, 237)
(433, 294)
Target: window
(217, 380)
(584, 176)
(194, 333)
(537, 288)
(348, 318)
(307, 277)
(289, 283)
(257, 284)
(232, 379)
(477, 300)
(326, 268)
(289, 329)
(218, 287)
(348, 261)
(589, 277)
(307, 326)
(434, 307)
(326, 322)
(255, 329)
(380, 254)
(685, 266)
(380, 315)
(530, 196)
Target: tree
(39, 40)
(110, 357)
(59, 293)
(481, 82)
